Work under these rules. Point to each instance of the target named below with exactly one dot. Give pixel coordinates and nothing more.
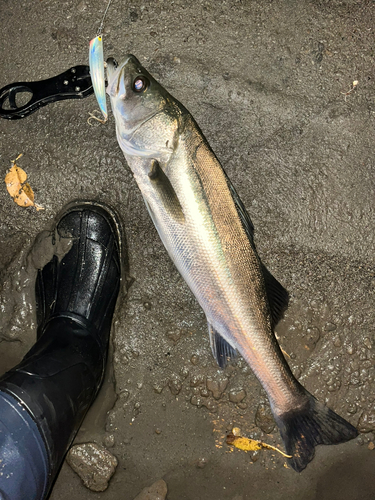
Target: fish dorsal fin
(242, 212)
(166, 192)
(221, 349)
(278, 297)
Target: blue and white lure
(96, 62)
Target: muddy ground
(271, 85)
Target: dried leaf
(248, 444)
(18, 188)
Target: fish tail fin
(309, 426)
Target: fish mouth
(111, 65)
(114, 71)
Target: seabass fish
(209, 236)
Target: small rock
(366, 422)
(337, 342)
(204, 392)
(109, 441)
(237, 395)
(82, 6)
(264, 419)
(350, 349)
(157, 491)
(312, 337)
(329, 327)
(201, 463)
(158, 387)
(94, 464)
(196, 380)
(194, 359)
(368, 343)
(371, 446)
(352, 408)
(174, 336)
(175, 386)
(242, 405)
(217, 387)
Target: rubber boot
(60, 376)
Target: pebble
(158, 388)
(366, 422)
(194, 359)
(371, 446)
(264, 419)
(337, 342)
(201, 463)
(82, 6)
(196, 380)
(329, 327)
(368, 343)
(217, 387)
(175, 386)
(174, 336)
(237, 395)
(312, 336)
(109, 441)
(94, 465)
(350, 349)
(157, 491)
(199, 402)
(204, 392)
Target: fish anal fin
(278, 297)
(221, 349)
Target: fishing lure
(96, 62)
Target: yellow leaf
(247, 444)
(18, 188)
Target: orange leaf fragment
(18, 188)
(247, 444)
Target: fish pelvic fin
(307, 427)
(221, 349)
(278, 297)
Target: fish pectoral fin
(221, 349)
(278, 297)
(166, 193)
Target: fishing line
(101, 26)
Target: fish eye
(140, 84)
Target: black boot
(60, 376)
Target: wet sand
(270, 84)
